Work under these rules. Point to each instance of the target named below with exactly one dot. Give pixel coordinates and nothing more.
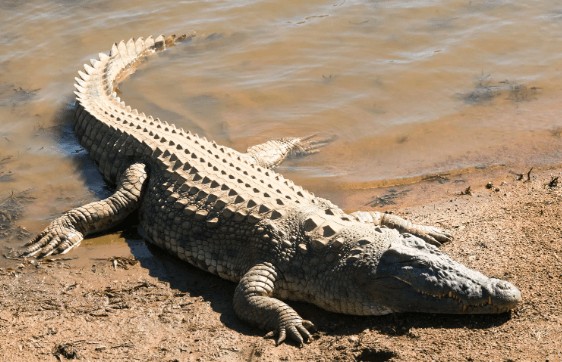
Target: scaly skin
(230, 214)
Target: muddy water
(409, 88)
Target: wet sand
(117, 300)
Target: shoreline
(118, 300)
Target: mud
(121, 300)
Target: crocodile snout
(503, 294)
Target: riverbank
(117, 300)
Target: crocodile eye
(416, 263)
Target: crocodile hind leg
(430, 234)
(253, 302)
(271, 153)
(68, 230)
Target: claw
(431, 234)
(311, 144)
(282, 336)
(430, 239)
(37, 245)
(72, 246)
(308, 324)
(295, 335)
(30, 254)
(55, 239)
(304, 332)
(35, 239)
(297, 332)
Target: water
(409, 88)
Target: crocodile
(229, 213)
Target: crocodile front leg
(67, 231)
(253, 302)
(430, 234)
(271, 153)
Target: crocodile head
(413, 276)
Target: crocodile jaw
(413, 276)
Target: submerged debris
(485, 90)
(388, 198)
(439, 178)
(11, 95)
(11, 208)
(123, 262)
(553, 182)
(5, 175)
(529, 175)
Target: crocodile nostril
(504, 285)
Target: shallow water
(409, 88)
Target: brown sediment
(99, 303)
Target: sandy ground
(116, 300)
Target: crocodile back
(116, 136)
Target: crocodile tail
(100, 114)
(100, 78)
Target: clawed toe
(311, 144)
(52, 241)
(298, 332)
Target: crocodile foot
(57, 238)
(296, 330)
(431, 234)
